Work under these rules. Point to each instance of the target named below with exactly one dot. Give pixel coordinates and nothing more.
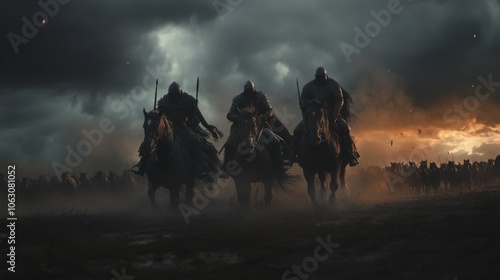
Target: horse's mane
(345, 112)
(324, 124)
(163, 129)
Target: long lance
(156, 94)
(298, 91)
(197, 88)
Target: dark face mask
(248, 93)
(321, 79)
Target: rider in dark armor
(250, 97)
(320, 88)
(182, 110)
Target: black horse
(319, 152)
(168, 163)
(256, 159)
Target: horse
(256, 159)
(319, 150)
(127, 180)
(100, 180)
(169, 164)
(425, 175)
(392, 178)
(113, 180)
(69, 184)
(43, 184)
(453, 176)
(466, 174)
(435, 176)
(85, 181)
(497, 169)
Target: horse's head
(433, 166)
(249, 123)
(150, 125)
(156, 127)
(316, 122)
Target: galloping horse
(254, 161)
(169, 164)
(319, 150)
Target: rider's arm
(265, 107)
(338, 100)
(232, 115)
(303, 97)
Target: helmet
(249, 85)
(175, 88)
(321, 74)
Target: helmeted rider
(182, 110)
(320, 88)
(248, 98)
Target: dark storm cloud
(87, 44)
(67, 76)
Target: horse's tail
(287, 181)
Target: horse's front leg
(268, 196)
(334, 174)
(152, 194)
(189, 192)
(343, 183)
(311, 190)
(174, 196)
(243, 193)
(322, 180)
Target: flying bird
(419, 131)
(392, 142)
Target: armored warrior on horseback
(250, 98)
(182, 110)
(325, 89)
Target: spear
(197, 88)
(156, 94)
(298, 91)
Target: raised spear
(156, 94)
(197, 88)
(298, 91)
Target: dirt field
(375, 235)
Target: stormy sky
(70, 68)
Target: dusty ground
(381, 236)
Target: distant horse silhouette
(435, 176)
(466, 174)
(319, 149)
(128, 180)
(85, 181)
(254, 161)
(69, 184)
(100, 180)
(497, 169)
(425, 175)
